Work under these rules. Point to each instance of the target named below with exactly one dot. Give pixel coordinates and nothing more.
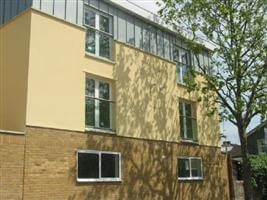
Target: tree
(258, 165)
(238, 71)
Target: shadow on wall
(149, 171)
(145, 102)
(147, 98)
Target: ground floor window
(190, 168)
(98, 166)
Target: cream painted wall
(148, 96)
(145, 85)
(57, 70)
(14, 55)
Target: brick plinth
(149, 168)
(11, 166)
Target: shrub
(258, 165)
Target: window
(160, 43)
(190, 168)
(146, 37)
(130, 30)
(138, 34)
(188, 125)
(182, 58)
(99, 34)
(98, 110)
(153, 40)
(98, 166)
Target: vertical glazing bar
(53, 7)
(99, 166)
(134, 29)
(65, 10)
(4, 11)
(110, 106)
(77, 11)
(97, 103)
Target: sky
(228, 129)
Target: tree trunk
(246, 167)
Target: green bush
(258, 165)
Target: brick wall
(11, 166)
(149, 168)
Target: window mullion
(184, 120)
(100, 175)
(190, 170)
(110, 106)
(96, 103)
(97, 26)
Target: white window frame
(180, 64)
(97, 100)
(97, 30)
(100, 179)
(190, 169)
(184, 121)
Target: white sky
(226, 127)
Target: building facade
(93, 105)
(257, 139)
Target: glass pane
(166, 46)
(104, 45)
(90, 87)
(138, 34)
(188, 109)
(176, 54)
(130, 30)
(153, 40)
(178, 73)
(104, 114)
(121, 26)
(184, 72)
(160, 50)
(90, 112)
(181, 110)
(90, 41)
(194, 129)
(146, 37)
(88, 165)
(103, 90)
(196, 168)
(89, 18)
(189, 128)
(109, 165)
(182, 132)
(184, 56)
(104, 23)
(183, 168)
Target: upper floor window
(190, 168)
(182, 58)
(188, 124)
(98, 112)
(98, 166)
(99, 34)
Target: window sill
(191, 179)
(98, 130)
(182, 84)
(189, 142)
(99, 58)
(98, 180)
